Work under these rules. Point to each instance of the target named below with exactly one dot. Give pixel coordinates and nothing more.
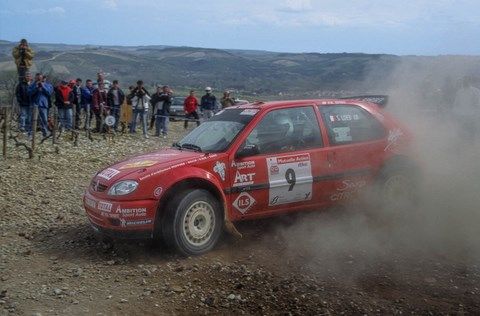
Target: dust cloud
(445, 223)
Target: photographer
(23, 56)
(161, 102)
(140, 99)
(40, 92)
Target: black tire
(398, 187)
(193, 222)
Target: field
(318, 263)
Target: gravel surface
(52, 264)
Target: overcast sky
(402, 27)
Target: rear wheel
(193, 222)
(398, 188)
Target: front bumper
(121, 219)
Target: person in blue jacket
(40, 93)
(87, 97)
(208, 105)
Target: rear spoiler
(380, 100)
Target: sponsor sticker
(249, 112)
(290, 179)
(131, 212)
(108, 173)
(138, 164)
(243, 178)
(90, 203)
(243, 202)
(157, 192)
(393, 138)
(104, 206)
(342, 134)
(243, 165)
(219, 168)
(125, 223)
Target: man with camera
(23, 56)
(140, 99)
(40, 93)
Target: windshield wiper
(192, 147)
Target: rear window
(348, 124)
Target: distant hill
(259, 73)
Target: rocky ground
(52, 264)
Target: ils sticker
(138, 164)
(108, 173)
(290, 179)
(243, 202)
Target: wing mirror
(246, 151)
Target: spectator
(101, 78)
(466, 109)
(226, 100)
(140, 99)
(23, 56)
(40, 92)
(63, 101)
(87, 98)
(23, 100)
(161, 102)
(208, 103)
(99, 105)
(115, 98)
(77, 101)
(190, 106)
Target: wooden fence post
(5, 132)
(34, 125)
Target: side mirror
(246, 151)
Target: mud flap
(228, 225)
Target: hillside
(249, 73)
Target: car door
(276, 165)
(356, 140)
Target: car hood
(139, 165)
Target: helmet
(208, 89)
(284, 125)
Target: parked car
(176, 109)
(253, 161)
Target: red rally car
(252, 161)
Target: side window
(286, 130)
(348, 124)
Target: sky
(401, 27)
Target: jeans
(65, 118)
(116, 113)
(143, 116)
(78, 112)
(208, 113)
(42, 118)
(25, 118)
(161, 124)
(191, 115)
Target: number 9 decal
(291, 178)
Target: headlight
(123, 187)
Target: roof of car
(287, 103)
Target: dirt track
(50, 262)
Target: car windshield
(216, 134)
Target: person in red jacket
(190, 106)
(100, 107)
(63, 101)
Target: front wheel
(193, 222)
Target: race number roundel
(290, 179)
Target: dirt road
(51, 263)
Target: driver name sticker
(290, 179)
